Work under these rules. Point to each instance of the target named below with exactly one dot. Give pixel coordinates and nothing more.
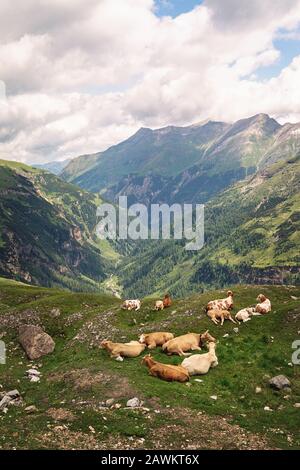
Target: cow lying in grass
(152, 340)
(199, 364)
(264, 305)
(119, 350)
(159, 305)
(167, 372)
(131, 304)
(219, 315)
(188, 342)
(245, 314)
(221, 304)
(167, 301)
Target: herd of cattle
(196, 364)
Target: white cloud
(85, 74)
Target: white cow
(199, 364)
(131, 304)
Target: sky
(77, 76)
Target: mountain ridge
(185, 164)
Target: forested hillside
(252, 234)
(47, 231)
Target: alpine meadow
(170, 325)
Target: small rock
(133, 403)
(267, 408)
(296, 405)
(293, 297)
(13, 394)
(33, 372)
(92, 429)
(116, 406)
(55, 312)
(226, 335)
(34, 378)
(236, 330)
(120, 359)
(258, 390)
(31, 409)
(214, 397)
(110, 402)
(279, 382)
(198, 380)
(4, 402)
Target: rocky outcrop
(35, 341)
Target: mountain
(185, 164)
(47, 231)
(165, 152)
(55, 167)
(252, 235)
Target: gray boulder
(35, 341)
(279, 382)
(13, 394)
(133, 403)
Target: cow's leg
(222, 321)
(152, 346)
(196, 348)
(231, 319)
(181, 353)
(216, 322)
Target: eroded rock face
(35, 341)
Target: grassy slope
(246, 360)
(269, 233)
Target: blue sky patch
(289, 48)
(175, 7)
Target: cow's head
(261, 298)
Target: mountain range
(247, 174)
(55, 167)
(184, 164)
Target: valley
(246, 173)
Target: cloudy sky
(81, 75)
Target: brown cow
(167, 372)
(155, 339)
(120, 350)
(190, 341)
(167, 301)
